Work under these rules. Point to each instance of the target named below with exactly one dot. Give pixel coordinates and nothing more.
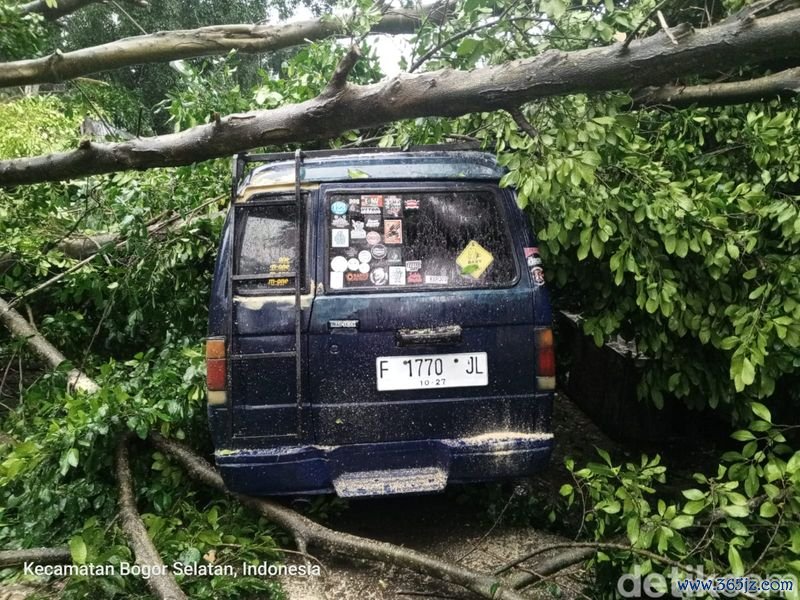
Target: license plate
(465, 369)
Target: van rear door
(425, 329)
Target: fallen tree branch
(784, 83)
(161, 583)
(19, 327)
(90, 247)
(447, 93)
(572, 556)
(63, 7)
(337, 542)
(39, 556)
(166, 46)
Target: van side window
(266, 246)
(412, 240)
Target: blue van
(378, 325)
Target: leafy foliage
(745, 518)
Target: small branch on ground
(162, 584)
(39, 556)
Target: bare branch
(447, 93)
(665, 26)
(19, 327)
(342, 72)
(161, 583)
(522, 122)
(632, 35)
(40, 556)
(167, 46)
(784, 83)
(63, 7)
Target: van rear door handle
(450, 334)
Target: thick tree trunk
(652, 61)
(784, 83)
(63, 7)
(166, 46)
(19, 327)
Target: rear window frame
(387, 187)
(273, 199)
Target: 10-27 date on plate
(465, 369)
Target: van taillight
(545, 360)
(216, 370)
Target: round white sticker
(352, 264)
(339, 264)
(363, 267)
(365, 256)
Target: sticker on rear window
(392, 206)
(474, 260)
(340, 238)
(378, 276)
(436, 279)
(337, 280)
(339, 207)
(397, 275)
(357, 232)
(393, 231)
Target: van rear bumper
(384, 468)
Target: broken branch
(19, 327)
(55, 10)
(161, 583)
(40, 556)
(166, 46)
(784, 83)
(446, 93)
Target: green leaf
(748, 373)
(694, 507)
(357, 174)
(743, 435)
(735, 561)
(768, 510)
(760, 410)
(565, 490)
(632, 528)
(735, 510)
(693, 494)
(77, 548)
(681, 522)
(72, 457)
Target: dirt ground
(457, 531)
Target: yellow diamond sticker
(474, 260)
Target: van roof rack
(280, 156)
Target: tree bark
(447, 93)
(19, 327)
(162, 584)
(40, 556)
(784, 83)
(166, 46)
(63, 7)
(336, 542)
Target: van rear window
(407, 240)
(266, 245)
